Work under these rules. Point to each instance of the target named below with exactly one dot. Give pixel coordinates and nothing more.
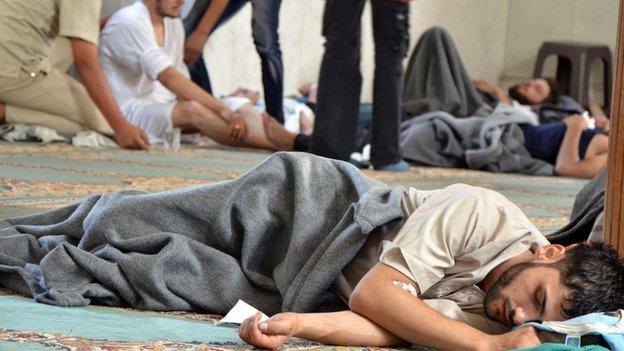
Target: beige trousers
(54, 100)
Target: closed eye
(544, 302)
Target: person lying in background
(142, 48)
(575, 149)
(35, 91)
(298, 115)
(569, 145)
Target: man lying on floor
(451, 269)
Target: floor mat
(35, 177)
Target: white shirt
(133, 60)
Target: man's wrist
(118, 123)
(225, 113)
(487, 343)
(298, 327)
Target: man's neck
(156, 18)
(496, 273)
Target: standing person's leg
(264, 25)
(340, 81)
(390, 27)
(199, 70)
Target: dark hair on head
(514, 93)
(594, 273)
(553, 97)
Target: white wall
(532, 22)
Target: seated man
(451, 269)
(35, 91)
(142, 52)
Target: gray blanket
(276, 237)
(588, 205)
(494, 144)
(436, 79)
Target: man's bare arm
(384, 312)
(489, 87)
(599, 115)
(569, 162)
(389, 305)
(88, 65)
(343, 328)
(185, 89)
(196, 41)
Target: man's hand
(516, 339)
(485, 85)
(576, 122)
(194, 47)
(602, 122)
(131, 137)
(270, 334)
(236, 123)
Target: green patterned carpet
(35, 177)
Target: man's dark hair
(553, 97)
(594, 273)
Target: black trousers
(340, 79)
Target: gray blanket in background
(494, 144)
(276, 237)
(588, 205)
(436, 79)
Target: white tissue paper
(239, 313)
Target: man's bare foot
(306, 126)
(2, 113)
(277, 134)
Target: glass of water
(172, 139)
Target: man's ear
(552, 252)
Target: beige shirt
(451, 240)
(28, 29)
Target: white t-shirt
(133, 60)
(451, 240)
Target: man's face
(526, 292)
(170, 8)
(535, 91)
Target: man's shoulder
(127, 17)
(466, 191)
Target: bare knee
(187, 113)
(246, 109)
